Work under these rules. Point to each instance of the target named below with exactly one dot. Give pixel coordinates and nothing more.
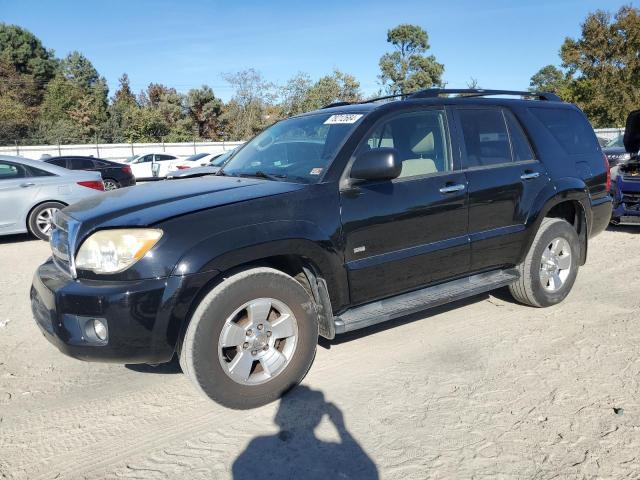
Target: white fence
(117, 151)
(609, 133)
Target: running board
(407, 303)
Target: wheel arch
(36, 205)
(567, 199)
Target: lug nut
(254, 352)
(260, 327)
(245, 345)
(249, 332)
(269, 333)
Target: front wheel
(251, 338)
(550, 268)
(40, 221)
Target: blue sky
(185, 44)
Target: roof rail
(336, 104)
(478, 92)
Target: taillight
(95, 184)
(608, 170)
(182, 167)
(127, 169)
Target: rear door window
(80, 163)
(60, 162)
(485, 136)
(520, 145)
(569, 128)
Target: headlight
(113, 251)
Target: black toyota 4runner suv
(325, 223)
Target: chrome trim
(63, 242)
(453, 188)
(529, 176)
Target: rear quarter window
(571, 130)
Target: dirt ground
(480, 389)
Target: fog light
(100, 329)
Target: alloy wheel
(258, 341)
(555, 264)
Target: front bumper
(143, 317)
(626, 206)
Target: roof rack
(478, 92)
(465, 92)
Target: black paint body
(414, 235)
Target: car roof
(36, 164)
(82, 157)
(475, 97)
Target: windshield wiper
(260, 174)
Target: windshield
(220, 159)
(616, 142)
(298, 149)
(195, 157)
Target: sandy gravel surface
(482, 389)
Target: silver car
(32, 191)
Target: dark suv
(325, 223)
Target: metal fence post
(97, 147)
(17, 149)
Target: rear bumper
(600, 215)
(128, 182)
(143, 317)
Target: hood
(632, 132)
(150, 203)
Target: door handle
(529, 175)
(27, 184)
(453, 188)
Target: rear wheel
(110, 184)
(251, 338)
(551, 266)
(40, 219)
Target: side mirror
(377, 164)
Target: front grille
(631, 178)
(60, 242)
(631, 198)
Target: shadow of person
(296, 453)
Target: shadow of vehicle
(625, 227)
(296, 452)
(17, 238)
(163, 368)
(502, 294)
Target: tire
(39, 220)
(110, 184)
(537, 286)
(208, 363)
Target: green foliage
(25, 52)
(204, 109)
(601, 68)
(251, 107)
(408, 68)
(301, 95)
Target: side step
(407, 303)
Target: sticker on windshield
(315, 171)
(343, 119)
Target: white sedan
(152, 166)
(31, 192)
